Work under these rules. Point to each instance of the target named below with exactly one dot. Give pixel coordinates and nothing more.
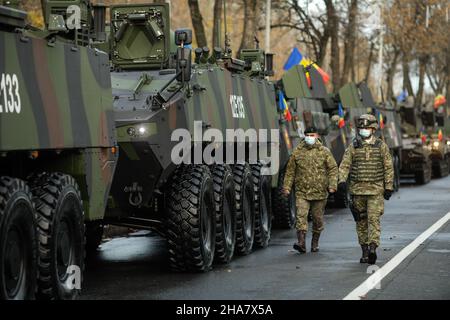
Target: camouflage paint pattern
(362, 187)
(368, 228)
(311, 171)
(317, 208)
(59, 104)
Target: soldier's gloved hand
(342, 186)
(388, 194)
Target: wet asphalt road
(136, 267)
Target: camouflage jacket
(313, 170)
(368, 188)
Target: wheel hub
(14, 262)
(64, 249)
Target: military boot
(365, 254)
(315, 242)
(372, 253)
(300, 245)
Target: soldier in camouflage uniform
(368, 162)
(314, 172)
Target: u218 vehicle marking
(237, 106)
(9, 94)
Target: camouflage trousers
(317, 208)
(368, 228)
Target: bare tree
(251, 15)
(217, 17)
(197, 23)
(350, 43)
(333, 23)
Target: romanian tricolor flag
(296, 58)
(439, 101)
(440, 136)
(341, 122)
(423, 137)
(283, 106)
(307, 62)
(380, 120)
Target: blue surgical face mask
(365, 133)
(310, 140)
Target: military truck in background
(207, 211)
(436, 126)
(57, 149)
(416, 154)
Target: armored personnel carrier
(57, 149)
(179, 171)
(416, 154)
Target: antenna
(227, 39)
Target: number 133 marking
(9, 94)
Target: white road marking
(361, 291)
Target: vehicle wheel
(342, 198)
(396, 161)
(191, 220)
(60, 219)
(424, 176)
(18, 241)
(225, 206)
(245, 208)
(284, 208)
(94, 235)
(263, 206)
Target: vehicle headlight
(436, 144)
(142, 130)
(448, 142)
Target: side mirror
(183, 64)
(99, 22)
(269, 65)
(56, 22)
(183, 37)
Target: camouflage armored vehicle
(207, 210)
(416, 155)
(437, 124)
(57, 150)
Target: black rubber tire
(283, 207)
(94, 236)
(18, 241)
(225, 206)
(424, 176)
(60, 219)
(263, 206)
(441, 169)
(191, 219)
(396, 163)
(245, 209)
